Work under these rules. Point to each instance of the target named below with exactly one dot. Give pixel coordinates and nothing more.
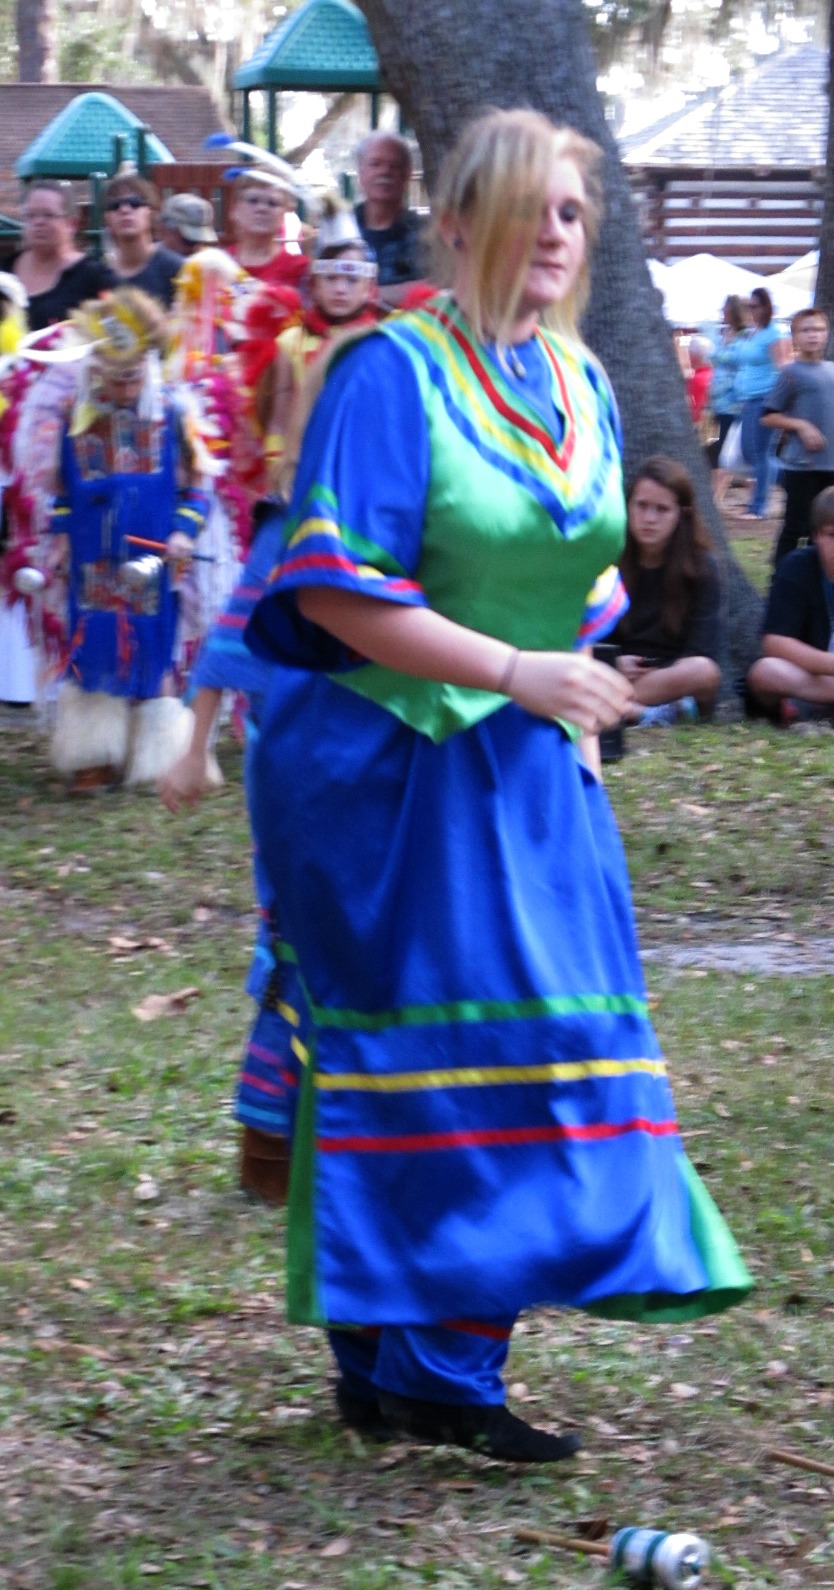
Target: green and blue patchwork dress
(484, 1121)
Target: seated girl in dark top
(794, 678)
(669, 638)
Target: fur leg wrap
(160, 733)
(91, 730)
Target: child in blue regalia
(128, 491)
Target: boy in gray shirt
(801, 404)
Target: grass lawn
(160, 1425)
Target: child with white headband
(342, 287)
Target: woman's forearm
(206, 705)
(418, 641)
(413, 640)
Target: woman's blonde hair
(496, 179)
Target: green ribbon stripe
(465, 1010)
(472, 1010)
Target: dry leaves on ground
(155, 1005)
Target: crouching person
(125, 518)
(794, 678)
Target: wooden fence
(762, 220)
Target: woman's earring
(457, 241)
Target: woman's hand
(631, 666)
(190, 777)
(186, 782)
(570, 685)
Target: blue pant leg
(757, 443)
(355, 1352)
(459, 1364)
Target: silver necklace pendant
(516, 365)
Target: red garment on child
(283, 270)
(697, 391)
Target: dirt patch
(775, 957)
(760, 944)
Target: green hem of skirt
(728, 1279)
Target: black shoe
(363, 1417)
(493, 1431)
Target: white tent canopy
(694, 289)
(802, 274)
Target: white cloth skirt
(18, 657)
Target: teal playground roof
(324, 45)
(80, 140)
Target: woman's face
(559, 249)
(46, 228)
(258, 213)
(758, 310)
(653, 515)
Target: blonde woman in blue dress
(484, 1121)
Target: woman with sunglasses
(56, 273)
(130, 204)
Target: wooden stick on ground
(547, 1537)
(797, 1461)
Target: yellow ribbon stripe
(489, 1076)
(603, 587)
(315, 527)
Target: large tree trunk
(825, 275)
(444, 60)
(37, 60)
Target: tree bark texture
(825, 275)
(36, 24)
(446, 60)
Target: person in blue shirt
(391, 230)
(726, 343)
(761, 355)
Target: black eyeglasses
(132, 200)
